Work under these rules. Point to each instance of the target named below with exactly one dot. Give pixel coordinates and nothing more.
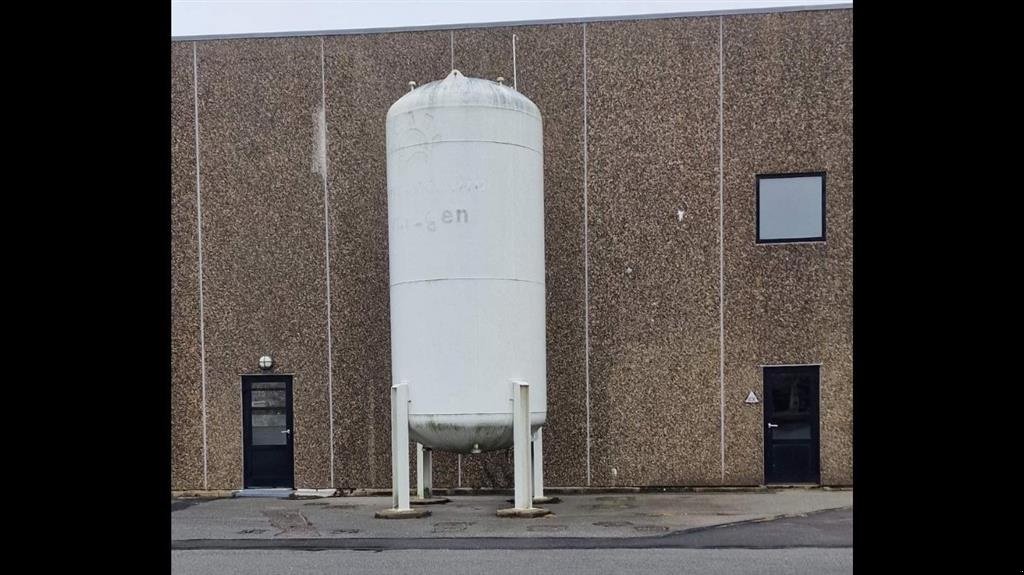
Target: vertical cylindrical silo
(466, 242)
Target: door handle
(771, 425)
(289, 431)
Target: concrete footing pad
(428, 500)
(522, 513)
(401, 514)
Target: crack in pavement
(291, 523)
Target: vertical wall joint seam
(721, 247)
(327, 261)
(586, 252)
(199, 249)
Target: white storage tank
(466, 242)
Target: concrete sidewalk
(589, 515)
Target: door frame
(815, 422)
(246, 380)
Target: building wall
(364, 75)
(264, 279)
(653, 150)
(788, 108)
(187, 468)
(638, 118)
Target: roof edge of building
(512, 23)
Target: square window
(791, 208)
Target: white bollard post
(400, 446)
(538, 464)
(521, 445)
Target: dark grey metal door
(267, 431)
(791, 429)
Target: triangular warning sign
(751, 398)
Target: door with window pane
(267, 430)
(791, 443)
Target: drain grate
(338, 531)
(252, 531)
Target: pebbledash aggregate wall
(661, 306)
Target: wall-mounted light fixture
(266, 362)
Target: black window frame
(757, 207)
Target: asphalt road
(582, 561)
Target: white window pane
(790, 208)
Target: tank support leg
(400, 508)
(521, 445)
(522, 452)
(538, 471)
(424, 471)
(538, 464)
(425, 477)
(400, 446)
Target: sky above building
(222, 17)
